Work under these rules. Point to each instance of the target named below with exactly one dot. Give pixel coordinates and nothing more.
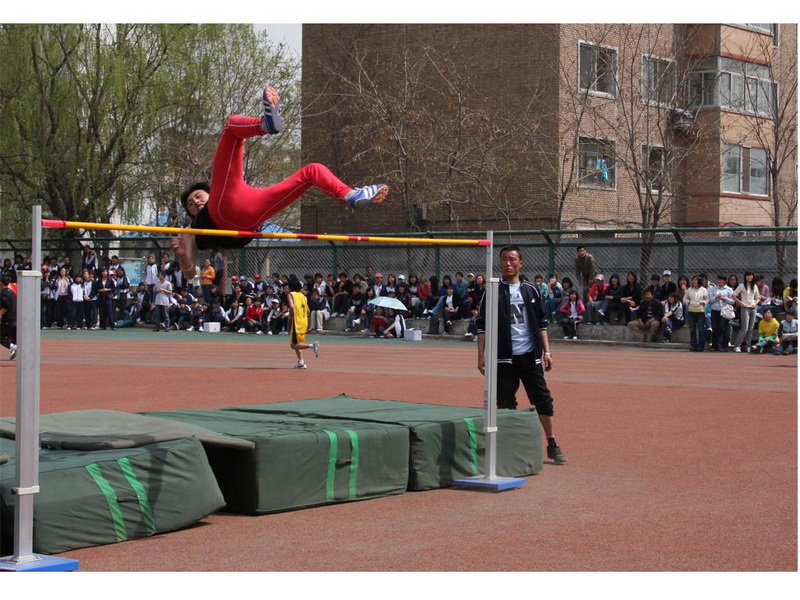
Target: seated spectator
(673, 316)
(395, 325)
(461, 285)
(451, 308)
(252, 317)
(436, 311)
(571, 314)
(631, 296)
(391, 284)
(181, 316)
(776, 294)
(319, 310)
(271, 315)
(143, 296)
(788, 335)
(216, 314)
(566, 287)
(423, 293)
(357, 301)
(655, 285)
(234, 317)
(768, 329)
(765, 297)
(555, 294)
(613, 297)
(342, 290)
(596, 309)
(403, 295)
(378, 323)
(367, 311)
(199, 319)
(649, 315)
(127, 319)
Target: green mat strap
(334, 442)
(141, 494)
(353, 461)
(473, 444)
(111, 500)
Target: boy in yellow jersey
(298, 305)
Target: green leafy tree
(105, 122)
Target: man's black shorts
(523, 368)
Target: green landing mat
(446, 442)
(299, 462)
(89, 498)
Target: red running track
(677, 461)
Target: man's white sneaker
(13, 354)
(315, 348)
(370, 194)
(300, 366)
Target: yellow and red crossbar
(58, 224)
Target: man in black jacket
(523, 348)
(648, 318)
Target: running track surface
(677, 461)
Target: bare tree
(449, 153)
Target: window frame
(646, 155)
(585, 171)
(745, 164)
(613, 70)
(669, 71)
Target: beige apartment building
(529, 126)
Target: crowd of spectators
(722, 315)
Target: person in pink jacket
(572, 312)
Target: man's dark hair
(581, 246)
(511, 248)
(200, 185)
(295, 285)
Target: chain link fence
(771, 252)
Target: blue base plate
(497, 484)
(41, 563)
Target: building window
(745, 170)
(596, 166)
(597, 69)
(658, 80)
(762, 27)
(739, 87)
(654, 168)
(731, 172)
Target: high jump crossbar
(58, 224)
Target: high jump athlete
(230, 203)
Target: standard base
(497, 484)
(41, 563)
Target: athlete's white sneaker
(370, 194)
(315, 349)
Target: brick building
(527, 126)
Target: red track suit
(233, 204)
